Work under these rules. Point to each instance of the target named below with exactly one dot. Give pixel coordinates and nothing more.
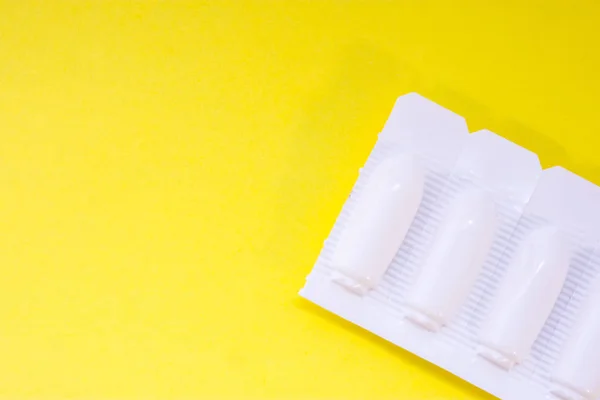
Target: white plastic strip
(469, 239)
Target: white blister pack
(459, 248)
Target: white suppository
(454, 261)
(576, 376)
(459, 248)
(383, 215)
(526, 297)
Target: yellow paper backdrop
(169, 171)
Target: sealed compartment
(483, 198)
(391, 187)
(526, 297)
(577, 374)
(537, 269)
(455, 259)
(382, 216)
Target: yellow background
(169, 171)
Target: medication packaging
(460, 248)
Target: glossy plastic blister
(460, 249)
(403, 172)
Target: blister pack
(458, 247)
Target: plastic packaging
(378, 217)
(526, 297)
(577, 376)
(459, 248)
(455, 260)
(482, 198)
(379, 224)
